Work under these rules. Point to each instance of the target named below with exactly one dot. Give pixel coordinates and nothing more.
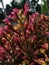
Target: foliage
(45, 8)
(27, 42)
(17, 5)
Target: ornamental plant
(26, 43)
